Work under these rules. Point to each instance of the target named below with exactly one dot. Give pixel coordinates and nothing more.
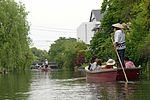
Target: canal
(68, 85)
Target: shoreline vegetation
(15, 53)
(134, 15)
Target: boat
(112, 75)
(132, 74)
(46, 70)
(103, 75)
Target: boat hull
(111, 75)
(131, 73)
(104, 75)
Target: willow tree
(14, 40)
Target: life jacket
(108, 67)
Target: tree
(39, 55)
(61, 50)
(14, 40)
(138, 43)
(64, 50)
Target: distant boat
(46, 70)
(112, 75)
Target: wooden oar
(121, 64)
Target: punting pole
(121, 63)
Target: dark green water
(68, 85)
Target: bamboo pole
(121, 64)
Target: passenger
(40, 67)
(46, 63)
(37, 66)
(128, 63)
(43, 66)
(92, 61)
(110, 64)
(93, 66)
(99, 64)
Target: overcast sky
(51, 19)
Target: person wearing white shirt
(99, 64)
(46, 63)
(119, 42)
(96, 65)
(92, 61)
(93, 66)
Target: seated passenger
(128, 63)
(94, 65)
(99, 64)
(92, 61)
(110, 64)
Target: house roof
(97, 15)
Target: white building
(86, 30)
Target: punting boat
(103, 75)
(132, 74)
(112, 75)
(46, 70)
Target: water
(68, 85)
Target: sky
(51, 19)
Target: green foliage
(102, 46)
(14, 40)
(139, 43)
(134, 12)
(116, 11)
(85, 65)
(64, 50)
(87, 54)
(39, 55)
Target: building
(86, 30)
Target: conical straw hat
(118, 25)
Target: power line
(56, 28)
(52, 30)
(44, 28)
(43, 40)
(49, 41)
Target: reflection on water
(67, 85)
(14, 85)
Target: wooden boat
(132, 74)
(103, 75)
(110, 75)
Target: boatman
(46, 63)
(119, 43)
